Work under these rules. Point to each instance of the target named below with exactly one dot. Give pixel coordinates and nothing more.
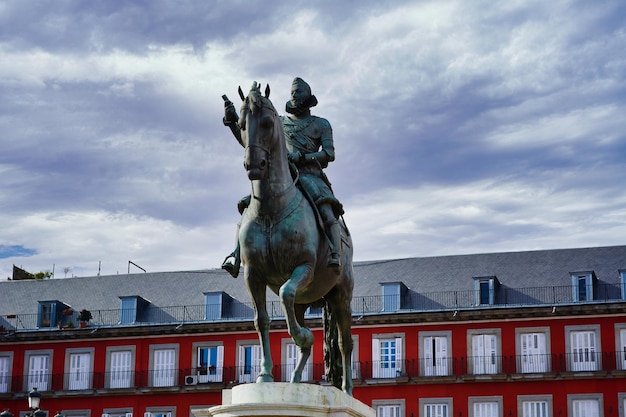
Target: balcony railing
(409, 370)
(367, 305)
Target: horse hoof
(265, 378)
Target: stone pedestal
(286, 399)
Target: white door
(38, 372)
(121, 372)
(388, 411)
(533, 356)
(164, 368)
(486, 409)
(79, 371)
(534, 409)
(621, 360)
(435, 410)
(585, 408)
(386, 358)
(292, 356)
(484, 354)
(435, 356)
(249, 363)
(584, 355)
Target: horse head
(260, 129)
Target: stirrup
(231, 265)
(334, 262)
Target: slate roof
(543, 268)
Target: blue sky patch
(15, 251)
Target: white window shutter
(375, 358)
(219, 372)
(399, 355)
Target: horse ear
(267, 91)
(243, 98)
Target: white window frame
(435, 353)
(79, 368)
(492, 285)
(163, 375)
(443, 407)
(485, 361)
(581, 358)
(41, 381)
(160, 411)
(249, 373)
(120, 377)
(621, 402)
(525, 404)
(531, 359)
(476, 403)
(290, 356)
(218, 375)
(392, 367)
(389, 408)
(576, 401)
(117, 412)
(6, 371)
(620, 346)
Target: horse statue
(284, 248)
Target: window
(129, 309)
(249, 362)
(48, 313)
(389, 408)
(215, 304)
(387, 357)
(485, 290)
(120, 367)
(163, 360)
(485, 406)
(582, 348)
(291, 356)
(583, 286)
(435, 360)
(78, 366)
(37, 369)
(534, 406)
(160, 412)
(483, 351)
(584, 405)
(392, 295)
(6, 364)
(208, 362)
(435, 407)
(117, 412)
(620, 345)
(622, 280)
(533, 350)
(621, 401)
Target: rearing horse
(283, 248)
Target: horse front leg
(305, 352)
(300, 278)
(340, 301)
(257, 290)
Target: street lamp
(34, 398)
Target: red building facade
(529, 334)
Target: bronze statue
(310, 147)
(282, 245)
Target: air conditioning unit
(191, 380)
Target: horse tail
(332, 353)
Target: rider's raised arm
(230, 119)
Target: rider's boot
(334, 233)
(232, 263)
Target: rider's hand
(230, 114)
(294, 157)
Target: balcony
(504, 297)
(410, 371)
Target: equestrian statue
(291, 237)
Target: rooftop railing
(235, 310)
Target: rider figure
(310, 148)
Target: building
(529, 334)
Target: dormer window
(485, 290)
(131, 308)
(622, 282)
(393, 293)
(215, 305)
(584, 286)
(49, 313)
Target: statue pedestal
(286, 399)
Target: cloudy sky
(460, 126)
